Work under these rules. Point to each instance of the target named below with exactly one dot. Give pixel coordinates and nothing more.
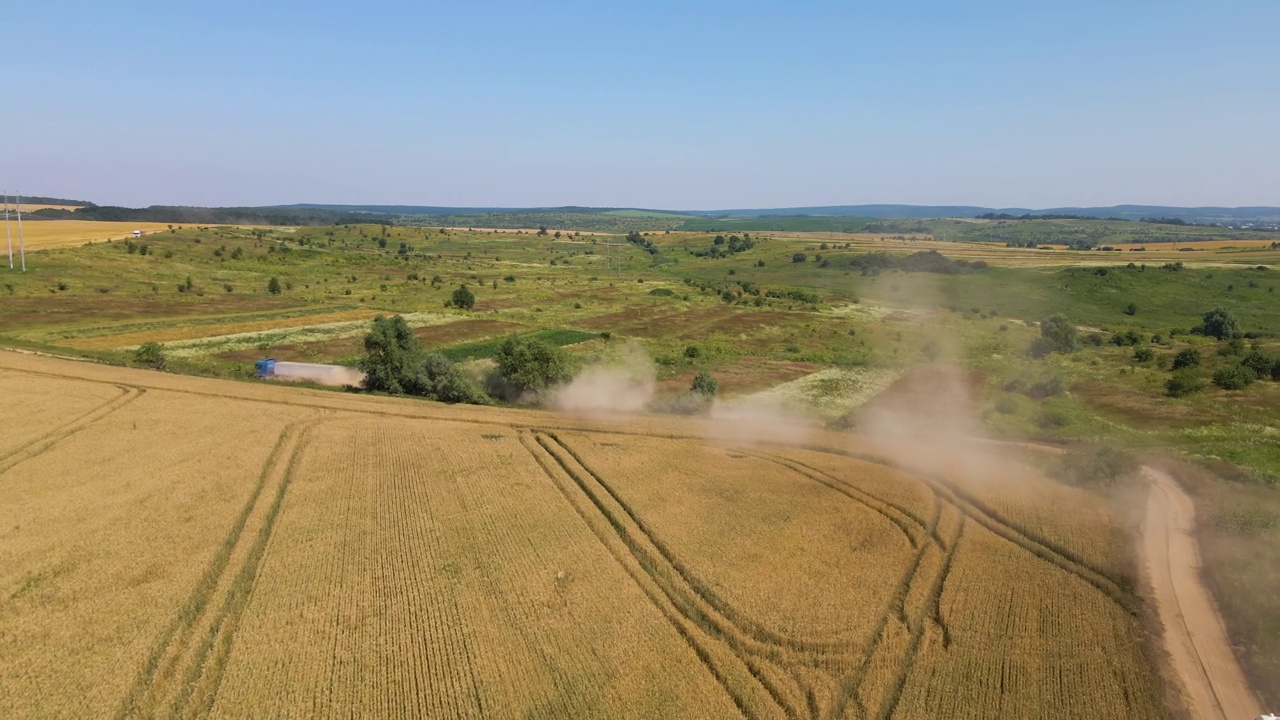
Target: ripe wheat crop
(184, 547)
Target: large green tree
(463, 297)
(446, 383)
(393, 358)
(531, 365)
(1220, 323)
(1057, 334)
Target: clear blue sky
(656, 104)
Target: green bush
(443, 381)
(463, 297)
(1219, 323)
(1052, 419)
(1006, 405)
(150, 355)
(1234, 377)
(1143, 354)
(1184, 382)
(1259, 362)
(704, 384)
(1127, 338)
(531, 365)
(1100, 466)
(1057, 334)
(1045, 388)
(1186, 358)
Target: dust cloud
(332, 375)
(757, 420)
(625, 383)
(928, 420)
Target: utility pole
(7, 235)
(22, 246)
(615, 262)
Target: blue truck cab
(266, 368)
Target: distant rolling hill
(1223, 215)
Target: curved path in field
(1194, 635)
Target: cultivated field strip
(1114, 682)
(44, 442)
(105, 537)
(32, 409)
(179, 678)
(754, 696)
(1038, 642)
(874, 688)
(1047, 550)
(397, 559)
(831, 680)
(428, 569)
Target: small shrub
(1234, 346)
(150, 355)
(1127, 338)
(1184, 382)
(1100, 466)
(1015, 385)
(704, 384)
(1052, 419)
(273, 285)
(1046, 388)
(1186, 358)
(1143, 354)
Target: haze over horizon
(666, 105)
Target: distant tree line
(724, 247)
(215, 216)
(930, 261)
(1045, 216)
(642, 242)
(36, 200)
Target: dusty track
(1193, 632)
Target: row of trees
(524, 368)
(395, 362)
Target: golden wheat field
(182, 547)
(45, 234)
(26, 208)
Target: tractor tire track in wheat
(179, 678)
(49, 440)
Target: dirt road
(1193, 632)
